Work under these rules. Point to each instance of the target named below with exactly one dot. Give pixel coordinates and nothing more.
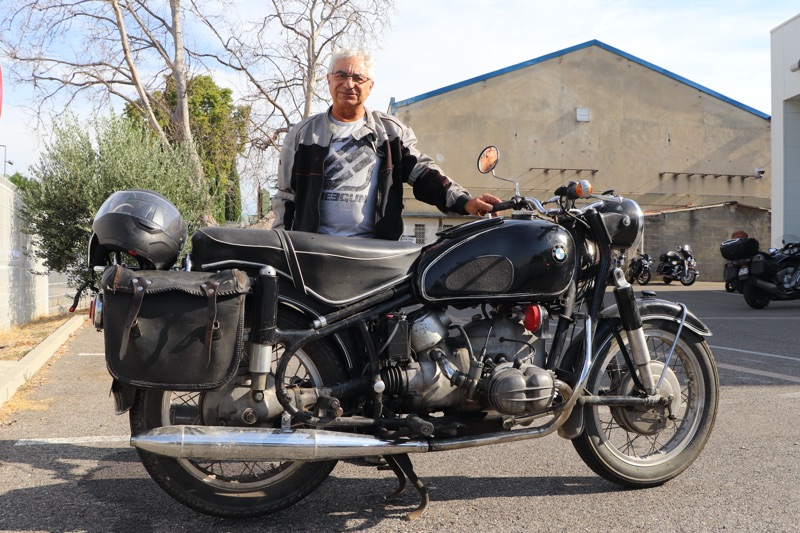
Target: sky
(721, 45)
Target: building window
(419, 233)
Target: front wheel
(644, 277)
(642, 447)
(234, 489)
(689, 278)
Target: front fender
(649, 309)
(652, 309)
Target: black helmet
(141, 223)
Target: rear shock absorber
(265, 318)
(632, 324)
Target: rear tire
(235, 489)
(640, 447)
(667, 280)
(755, 297)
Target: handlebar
(503, 206)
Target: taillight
(96, 311)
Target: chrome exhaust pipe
(217, 443)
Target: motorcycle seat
(335, 270)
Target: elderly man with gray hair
(342, 171)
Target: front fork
(632, 324)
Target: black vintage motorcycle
(678, 265)
(273, 354)
(762, 276)
(639, 269)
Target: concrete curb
(20, 372)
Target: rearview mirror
(488, 159)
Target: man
(342, 172)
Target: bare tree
(283, 55)
(106, 49)
(100, 49)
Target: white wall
(23, 296)
(785, 52)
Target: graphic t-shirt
(349, 192)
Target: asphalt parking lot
(66, 465)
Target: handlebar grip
(502, 206)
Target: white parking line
(758, 372)
(72, 440)
(756, 353)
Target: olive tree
(80, 168)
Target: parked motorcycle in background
(639, 269)
(678, 265)
(762, 276)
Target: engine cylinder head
(525, 390)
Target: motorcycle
(678, 265)
(639, 269)
(272, 354)
(762, 276)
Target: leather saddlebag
(173, 330)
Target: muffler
(765, 286)
(218, 443)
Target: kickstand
(402, 468)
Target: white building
(786, 129)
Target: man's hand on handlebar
(482, 205)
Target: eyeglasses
(341, 76)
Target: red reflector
(533, 318)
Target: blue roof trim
(394, 105)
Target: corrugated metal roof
(393, 105)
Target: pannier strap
(139, 288)
(211, 288)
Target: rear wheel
(667, 280)
(755, 297)
(646, 446)
(234, 489)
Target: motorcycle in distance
(678, 265)
(639, 269)
(272, 354)
(763, 276)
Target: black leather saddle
(334, 270)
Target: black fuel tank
(497, 259)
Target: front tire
(644, 277)
(640, 447)
(755, 297)
(689, 278)
(234, 489)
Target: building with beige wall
(591, 112)
(785, 68)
